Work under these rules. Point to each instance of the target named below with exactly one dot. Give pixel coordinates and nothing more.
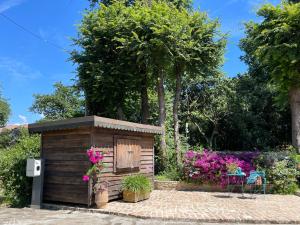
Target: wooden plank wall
(65, 163)
(104, 139)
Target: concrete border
(212, 220)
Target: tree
(177, 3)
(275, 43)
(65, 102)
(197, 52)
(206, 104)
(4, 111)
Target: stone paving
(27, 216)
(211, 207)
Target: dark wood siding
(105, 139)
(65, 163)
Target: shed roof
(93, 121)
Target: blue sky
(29, 65)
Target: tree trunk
(294, 96)
(176, 106)
(162, 115)
(120, 113)
(144, 98)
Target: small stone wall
(183, 186)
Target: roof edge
(93, 121)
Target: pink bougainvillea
(85, 178)
(96, 158)
(211, 167)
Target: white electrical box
(33, 168)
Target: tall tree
(276, 45)
(4, 111)
(198, 51)
(65, 102)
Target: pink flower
(85, 178)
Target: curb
(236, 221)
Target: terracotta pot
(129, 196)
(101, 198)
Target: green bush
(171, 173)
(136, 183)
(283, 176)
(16, 186)
(9, 138)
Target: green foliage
(275, 44)
(293, 1)
(122, 44)
(171, 173)
(16, 186)
(65, 102)
(205, 105)
(253, 118)
(4, 111)
(136, 183)
(162, 177)
(283, 177)
(10, 137)
(178, 3)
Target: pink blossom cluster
(94, 156)
(85, 178)
(211, 167)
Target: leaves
(4, 111)
(65, 102)
(275, 43)
(16, 186)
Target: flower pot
(129, 196)
(101, 198)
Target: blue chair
(239, 181)
(251, 180)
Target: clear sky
(28, 65)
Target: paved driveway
(26, 216)
(213, 207)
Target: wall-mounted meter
(33, 168)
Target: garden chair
(253, 179)
(239, 182)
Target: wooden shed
(64, 145)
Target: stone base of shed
(205, 207)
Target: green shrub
(162, 177)
(16, 186)
(9, 138)
(171, 173)
(283, 176)
(136, 183)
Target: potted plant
(100, 188)
(136, 188)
